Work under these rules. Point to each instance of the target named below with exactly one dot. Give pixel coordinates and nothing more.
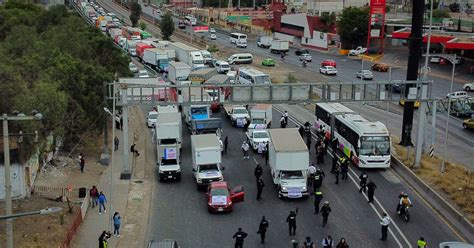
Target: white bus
(365, 143)
(234, 37)
(190, 20)
(252, 76)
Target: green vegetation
(291, 79)
(352, 27)
(142, 25)
(327, 21)
(52, 61)
(441, 13)
(167, 26)
(135, 13)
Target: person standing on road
(260, 186)
(291, 220)
(318, 179)
(308, 243)
(344, 167)
(82, 162)
(94, 194)
(266, 154)
(286, 115)
(342, 244)
(117, 222)
(262, 229)
(116, 143)
(421, 243)
(308, 142)
(385, 223)
(245, 149)
(325, 210)
(226, 144)
(363, 181)
(102, 201)
(327, 242)
(301, 131)
(337, 171)
(239, 237)
(318, 196)
(311, 173)
(371, 190)
(258, 172)
(282, 122)
(134, 150)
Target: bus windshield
(262, 80)
(375, 146)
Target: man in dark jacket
(258, 172)
(318, 196)
(371, 190)
(239, 237)
(318, 179)
(262, 229)
(260, 186)
(325, 210)
(344, 168)
(363, 181)
(291, 220)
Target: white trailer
(206, 159)
(279, 46)
(264, 41)
(168, 144)
(130, 47)
(178, 71)
(187, 54)
(168, 127)
(260, 116)
(289, 160)
(156, 58)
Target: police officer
(385, 222)
(337, 171)
(262, 229)
(282, 122)
(421, 243)
(260, 186)
(318, 179)
(344, 168)
(291, 220)
(371, 190)
(363, 181)
(308, 243)
(325, 210)
(318, 196)
(258, 172)
(239, 237)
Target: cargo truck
(130, 47)
(131, 33)
(289, 160)
(140, 48)
(264, 41)
(202, 74)
(279, 46)
(187, 54)
(206, 159)
(156, 58)
(168, 137)
(260, 116)
(206, 56)
(178, 71)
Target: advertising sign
(201, 29)
(170, 153)
(377, 18)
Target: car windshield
(169, 162)
(219, 191)
(207, 167)
(152, 116)
(260, 135)
(262, 80)
(286, 175)
(240, 111)
(375, 146)
(330, 67)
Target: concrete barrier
(437, 202)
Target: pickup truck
(256, 136)
(235, 112)
(359, 50)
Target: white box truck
(130, 47)
(156, 58)
(188, 55)
(168, 144)
(264, 41)
(289, 160)
(206, 159)
(178, 71)
(279, 46)
(260, 116)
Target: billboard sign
(201, 29)
(377, 18)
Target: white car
(241, 44)
(213, 36)
(306, 56)
(365, 74)
(468, 86)
(256, 137)
(457, 94)
(328, 70)
(132, 67)
(213, 31)
(151, 119)
(357, 51)
(143, 74)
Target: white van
(222, 67)
(240, 58)
(457, 94)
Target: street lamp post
(113, 155)
(8, 186)
(453, 61)
(43, 211)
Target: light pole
(43, 211)
(113, 155)
(453, 61)
(6, 151)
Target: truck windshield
(151, 116)
(169, 162)
(260, 135)
(240, 111)
(207, 167)
(258, 121)
(168, 141)
(287, 175)
(198, 62)
(375, 146)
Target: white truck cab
(236, 112)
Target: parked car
(268, 62)
(457, 94)
(132, 67)
(380, 67)
(151, 118)
(213, 36)
(365, 74)
(401, 102)
(468, 124)
(468, 86)
(221, 199)
(301, 51)
(396, 88)
(143, 74)
(329, 62)
(357, 51)
(328, 70)
(306, 57)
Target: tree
(135, 13)
(441, 13)
(352, 27)
(167, 26)
(454, 7)
(142, 25)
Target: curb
(437, 202)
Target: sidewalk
(130, 198)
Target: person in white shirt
(286, 117)
(245, 149)
(261, 147)
(385, 223)
(311, 172)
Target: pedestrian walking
(291, 220)
(320, 156)
(371, 190)
(318, 196)
(102, 201)
(344, 168)
(282, 122)
(134, 150)
(116, 143)
(311, 171)
(245, 149)
(239, 237)
(318, 179)
(421, 243)
(82, 162)
(153, 135)
(258, 172)
(121, 122)
(342, 244)
(363, 181)
(308, 243)
(286, 117)
(327, 242)
(246, 125)
(226, 144)
(260, 186)
(103, 239)
(337, 171)
(325, 210)
(321, 132)
(94, 194)
(262, 229)
(385, 223)
(117, 222)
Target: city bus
(365, 143)
(234, 37)
(190, 20)
(252, 76)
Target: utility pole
(415, 41)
